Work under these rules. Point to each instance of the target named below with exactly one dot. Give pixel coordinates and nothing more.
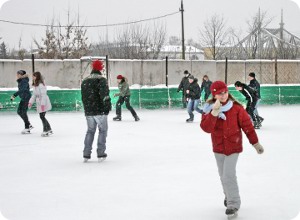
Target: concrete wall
(69, 73)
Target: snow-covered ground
(159, 168)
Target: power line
(89, 26)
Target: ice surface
(159, 168)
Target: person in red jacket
(224, 118)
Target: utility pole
(182, 30)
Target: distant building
(175, 52)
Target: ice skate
(27, 130)
(136, 118)
(231, 213)
(117, 118)
(47, 133)
(102, 158)
(189, 120)
(85, 160)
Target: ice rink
(160, 168)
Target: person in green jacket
(124, 96)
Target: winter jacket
(184, 84)
(24, 90)
(95, 95)
(39, 95)
(250, 94)
(254, 84)
(194, 89)
(206, 87)
(226, 134)
(123, 88)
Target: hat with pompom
(218, 87)
(97, 65)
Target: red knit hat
(97, 65)
(119, 77)
(218, 87)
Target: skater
(254, 84)
(25, 95)
(224, 118)
(205, 86)
(193, 97)
(96, 104)
(251, 97)
(124, 96)
(183, 86)
(42, 100)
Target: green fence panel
(289, 95)
(152, 98)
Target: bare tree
(133, 42)
(3, 51)
(214, 37)
(64, 41)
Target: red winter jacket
(226, 134)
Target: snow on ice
(158, 168)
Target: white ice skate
(231, 213)
(47, 133)
(85, 160)
(27, 130)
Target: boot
(189, 120)
(136, 118)
(117, 118)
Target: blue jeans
(92, 123)
(193, 105)
(255, 110)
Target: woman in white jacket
(42, 100)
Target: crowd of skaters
(221, 116)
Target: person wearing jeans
(96, 104)
(193, 96)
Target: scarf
(224, 108)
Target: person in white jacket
(42, 100)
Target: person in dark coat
(96, 104)
(205, 86)
(193, 97)
(251, 97)
(25, 95)
(225, 119)
(254, 84)
(124, 96)
(183, 86)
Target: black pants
(46, 125)
(250, 110)
(184, 102)
(22, 111)
(120, 102)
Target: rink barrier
(152, 98)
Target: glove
(43, 108)
(12, 98)
(258, 148)
(216, 109)
(29, 105)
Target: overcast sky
(92, 12)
